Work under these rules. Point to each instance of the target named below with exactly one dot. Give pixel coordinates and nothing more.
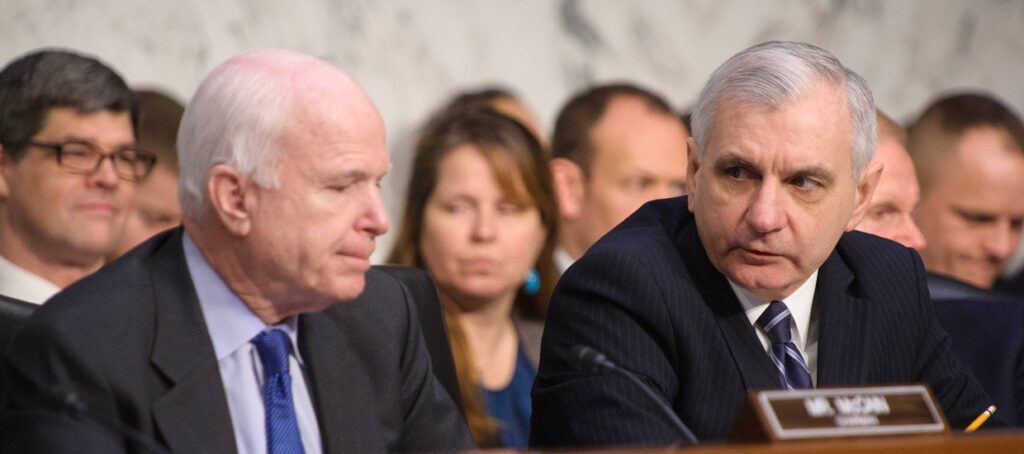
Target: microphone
(72, 403)
(587, 359)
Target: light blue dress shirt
(232, 325)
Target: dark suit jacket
(435, 331)
(13, 312)
(648, 297)
(131, 343)
(1011, 285)
(987, 331)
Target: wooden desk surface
(988, 442)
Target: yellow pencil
(981, 419)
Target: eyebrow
(73, 138)
(730, 160)
(351, 175)
(975, 215)
(884, 204)
(815, 172)
(348, 175)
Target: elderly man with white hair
(259, 326)
(753, 281)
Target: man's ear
(568, 179)
(865, 190)
(227, 190)
(692, 165)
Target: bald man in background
(614, 147)
(889, 215)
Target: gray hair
(235, 118)
(776, 72)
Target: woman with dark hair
(480, 217)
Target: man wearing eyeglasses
(68, 164)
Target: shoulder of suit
(858, 246)
(653, 226)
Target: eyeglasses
(130, 163)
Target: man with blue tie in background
(259, 326)
(754, 280)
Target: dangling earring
(532, 283)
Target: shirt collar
(799, 304)
(229, 321)
(562, 259)
(19, 283)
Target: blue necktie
(282, 426)
(793, 371)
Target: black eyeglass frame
(137, 156)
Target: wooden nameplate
(822, 413)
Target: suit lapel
(755, 367)
(192, 414)
(345, 409)
(842, 324)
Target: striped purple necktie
(793, 371)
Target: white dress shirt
(562, 259)
(19, 283)
(804, 326)
(232, 325)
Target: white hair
(235, 118)
(776, 72)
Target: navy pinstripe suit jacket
(647, 295)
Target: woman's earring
(532, 283)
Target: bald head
(244, 107)
(889, 215)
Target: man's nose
(766, 212)
(105, 175)
(1001, 241)
(913, 238)
(375, 218)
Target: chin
(759, 282)
(90, 248)
(350, 290)
(979, 281)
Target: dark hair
(936, 131)
(571, 139)
(35, 83)
(957, 113)
(512, 152)
(478, 99)
(159, 118)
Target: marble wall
(411, 54)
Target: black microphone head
(586, 359)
